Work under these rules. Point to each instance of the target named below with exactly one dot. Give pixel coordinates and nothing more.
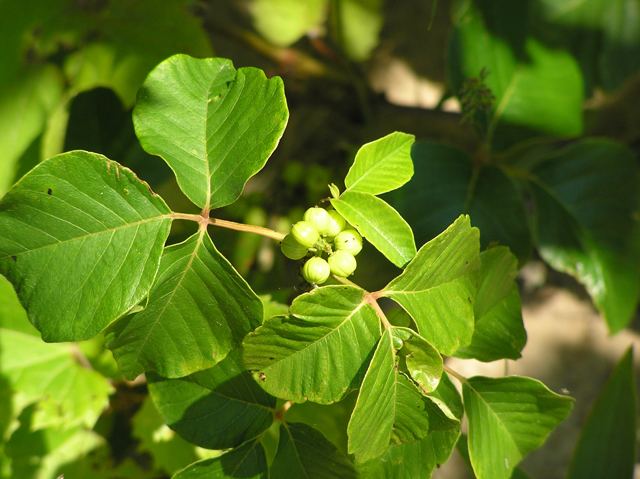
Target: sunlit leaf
(214, 125)
(295, 357)
(379, 223)
(80, 239)
(382, 165)
(438, 286)
(199, 309)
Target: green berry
(335, 224)
(305, 234)
(318, 218)
(342, 263)
(349, 241)
(316, 270)
(292, 249)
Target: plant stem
(455, 374)
(232, 225)
(376, 307)
(279, 414)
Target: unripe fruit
(335, 224)
(316, 270)
(397, 342)
(318, 218)
(349, 241)
(305, 234)
(342, 263)
(292, 249)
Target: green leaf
(389, 409)
(537, 88)
(69, 393)
(424, 363)
(214, 125)
(38, 454)
(284, 22)
(508, 418)
(217, 408)
(248, 461)
(12, 314)
(379, 223)
(30, 96)
(80, 239)
(438, 286)
(607, 444)
(499, 331)
(382, 165)
(304, 452)
(412, 460)
(586, 195)
(198, 310)
(169, 451)
(359, 23)
(295, 357)
(448, 183)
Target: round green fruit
(318, 218)
(349, 241)
(316, 270)
(305, 234)
(292, 249)
(335, 224)
(342, 263)
(397, 342)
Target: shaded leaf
(438, 286)
(448, 185)
(217, 408)
(214, 125)
(304, 452)
(80, 239)
(607, 444)
(381, 165)
(586, 195)
(295, 357)
(508, 418)
(379, 223)
(359, 24)
(499, 331)
(248, 461)
(198, 310)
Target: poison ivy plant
(82, 240)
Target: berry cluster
(321, 233)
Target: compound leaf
(214, 125)
(438, 286)
(508, 418)
(295, 357)
(199, 309)
(80, 239)
(379, 223)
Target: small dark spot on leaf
(271, 359)
(262, 376)
(14, 258)
(49, 191)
